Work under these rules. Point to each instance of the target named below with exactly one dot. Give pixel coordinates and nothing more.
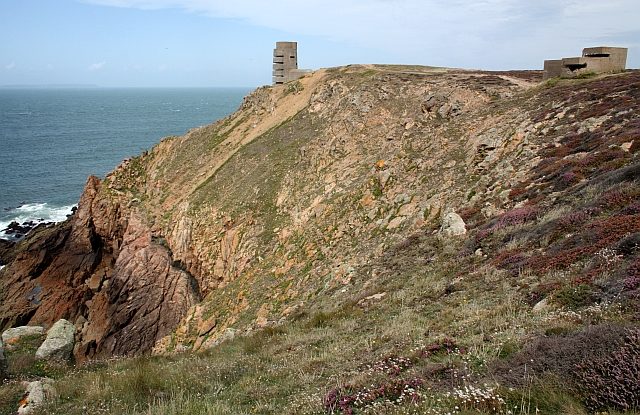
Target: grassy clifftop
(310, 221)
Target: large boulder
(13, 335)
(453, 225)
(59, 342)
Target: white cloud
(457, 31)
(97, 66)
(10, 66)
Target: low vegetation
(386, 356)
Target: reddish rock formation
(141, 296)
(6, 248)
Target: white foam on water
(36, 212)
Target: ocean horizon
(54, 137)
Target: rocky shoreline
(18, 231)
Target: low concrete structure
(552, 68)
(285, 63)
(601, 59)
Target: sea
(52, 139)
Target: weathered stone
(453, 225)
(95, 282)
(396, 222)
(59, 342)
(541, 306)
(13, 335)
(206, 326)
(383, 177)
(35, 395)
(228, 334)
(371, 298)
(80, 323)
(444, 110)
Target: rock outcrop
(13, 335)
(6, 252)
(453, 225)
(59, 342)
(142, 293)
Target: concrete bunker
(600, 59)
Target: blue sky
(229, 42)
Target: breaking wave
(32, 212)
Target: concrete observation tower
(285, 63)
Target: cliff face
(300, 199)
(103, 270)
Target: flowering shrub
(513, 217)
(600, 144)
(600, 162)
(631, 283)
(483, 233)
(574, 219)
(613, 380)
(632, 280)
(559, 151)
(446, 345)
(574, 297)
(468, 213)
(596, 236)
(476, 398)
(632, 209)
(395, 391)
(519, 190)
(557, 354)
(512, 260)
(391, 391)
(569, 178)
(391, 365)
(618, 198)
(518, 216)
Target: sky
(217, 43)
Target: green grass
(249, 181)
(22, 362)
(294, 88)
(10, 395)
(288, 369)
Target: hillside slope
(321, 202)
